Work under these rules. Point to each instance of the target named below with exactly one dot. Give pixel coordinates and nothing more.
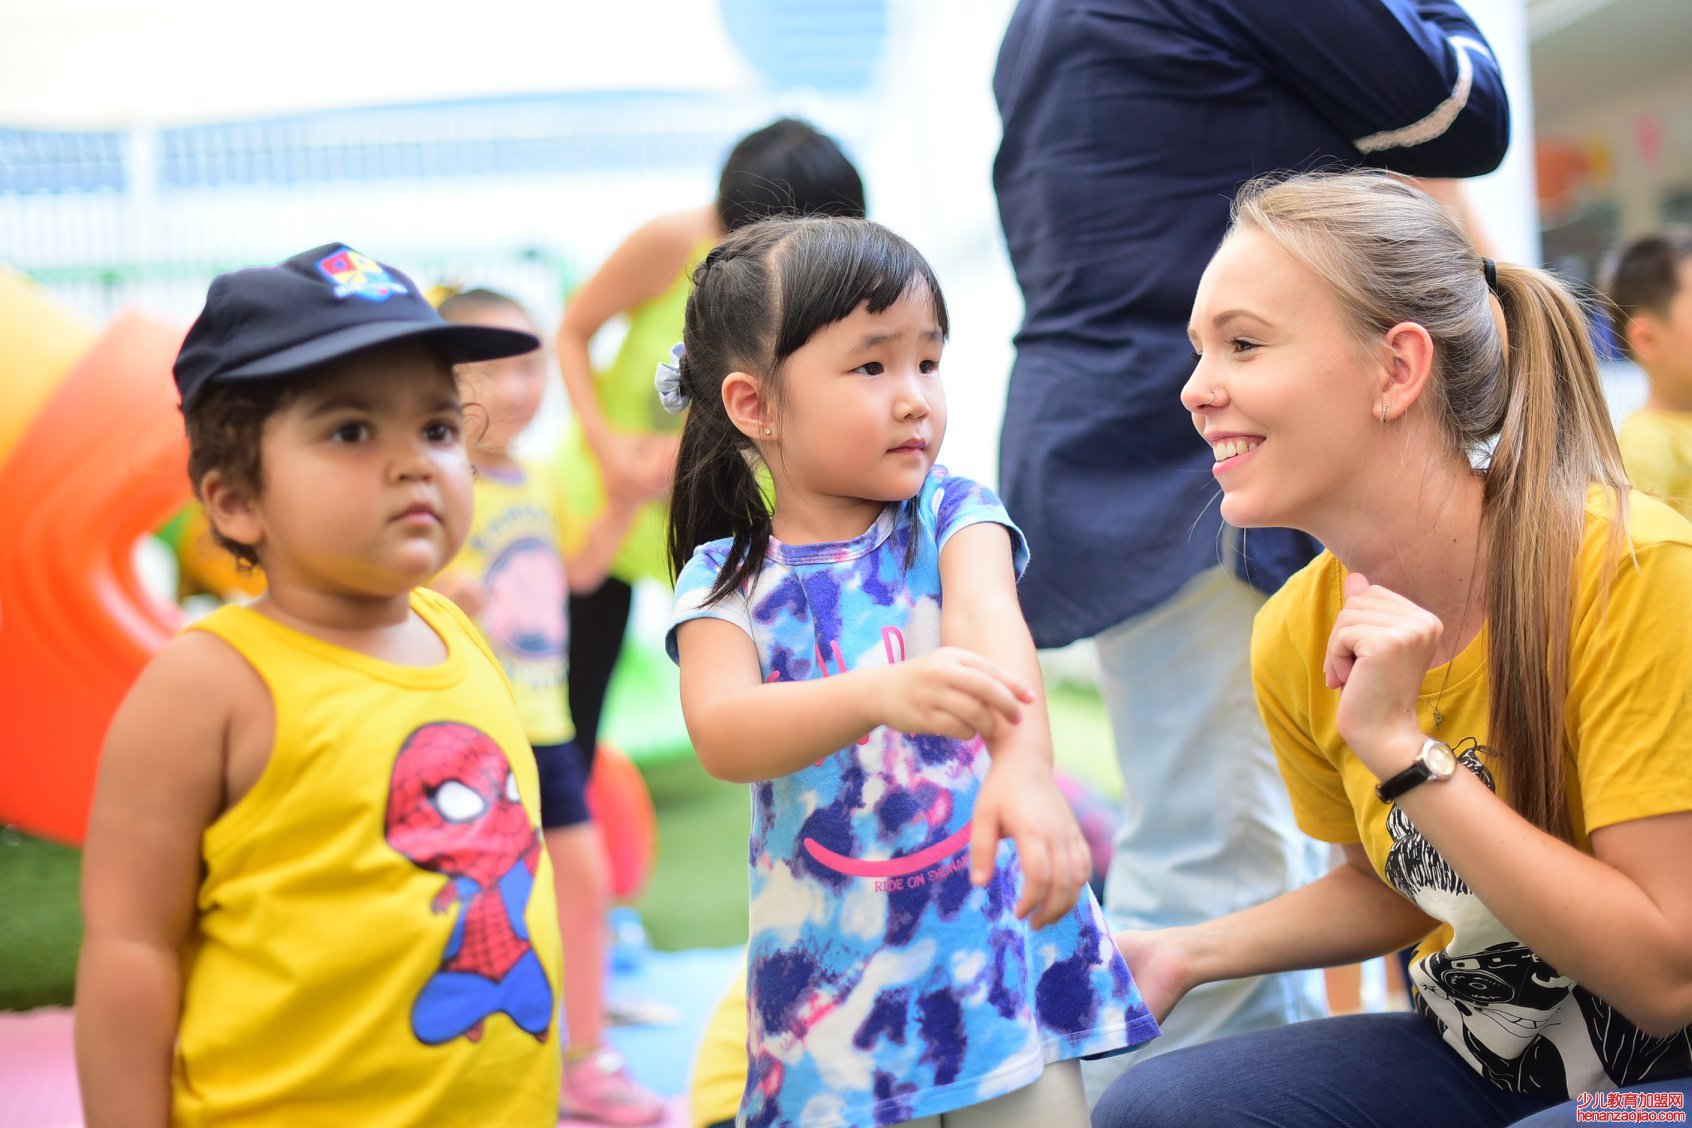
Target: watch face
(1439, 759)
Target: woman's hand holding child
(1161, 965)
(640, 467)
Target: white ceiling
(91, 64)
(1585, 51)
(194, 60)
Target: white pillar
(1506, 201)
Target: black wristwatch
(1434, 762)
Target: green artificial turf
(696, 894)
(1081, 740)
(40, 922)
(643, 717)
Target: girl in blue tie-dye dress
(905, 962)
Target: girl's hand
(949, 692)
(1019, 800)
(1377, 655)
(637, 467)
(658, 465)
(462, 588)
(1162, 969)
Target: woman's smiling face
(1282, 389)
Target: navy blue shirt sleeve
(1412, 83)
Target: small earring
(1383, 411)
(767, 430)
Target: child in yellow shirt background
(512, 576)
(1649, 287)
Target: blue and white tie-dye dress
(881, 985)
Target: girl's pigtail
(716, 492)
(1554, 445)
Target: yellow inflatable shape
(42, 342)
(207, 566)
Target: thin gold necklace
(1468, 593)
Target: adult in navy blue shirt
(1128, 126)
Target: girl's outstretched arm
(979, 612)
(161, 783)
(745, 730)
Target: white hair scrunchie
(668, 382)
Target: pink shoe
(598, 1087)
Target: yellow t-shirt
(513, 550)
(375, 940)
(1656, 448)
(719, 1067)
(1629, 720)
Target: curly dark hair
(225, 426)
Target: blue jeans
(1359, 1071)
(1207, 825)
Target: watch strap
(1391, 788)
(1418, 772)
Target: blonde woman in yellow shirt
(1481, 692)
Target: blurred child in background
(511, 576)
(1649, 285)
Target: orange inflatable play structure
(95, 458)
(92, 459)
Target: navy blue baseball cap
(320, 305)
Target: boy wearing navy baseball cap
(313, 886)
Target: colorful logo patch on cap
(357, 275)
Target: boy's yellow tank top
(513, 552)
(375, 940)
(630, 402)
